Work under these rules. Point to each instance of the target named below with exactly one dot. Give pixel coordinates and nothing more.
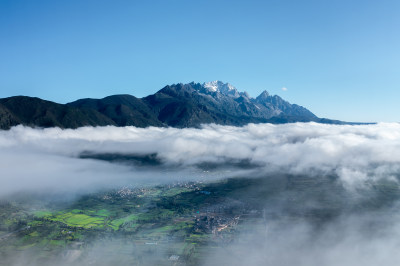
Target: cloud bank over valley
(53, 158)
(321, 194)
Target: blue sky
(340, 59)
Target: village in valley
(176, 223)
(181, 223)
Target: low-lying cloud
(51, 158)
(303, 223)
(371, 239)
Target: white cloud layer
(49, 158)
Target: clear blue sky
(340, 59)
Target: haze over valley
(271, 194)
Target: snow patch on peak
(223, 88)
(212, 85)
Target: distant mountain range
(178, 105)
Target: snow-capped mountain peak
(212, 85)
(221, 87)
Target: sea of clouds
(50, 158)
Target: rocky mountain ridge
(177, 105)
